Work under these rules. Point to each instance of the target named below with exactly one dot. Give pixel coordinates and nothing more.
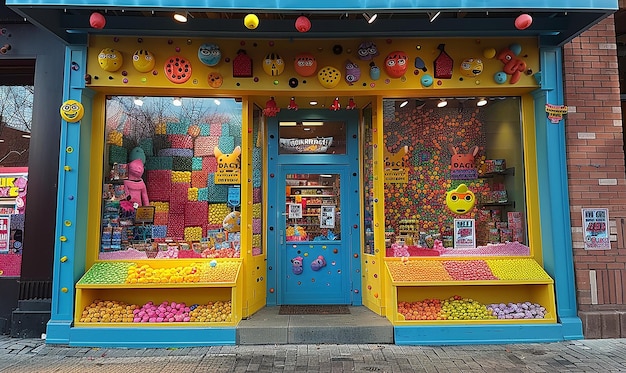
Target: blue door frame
(339, 282)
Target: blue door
(313, 210)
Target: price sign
(596, 229)
(145, 215)
(464, 233)
(234, 196)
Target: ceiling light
(1, 140)
(287, 124)
(181, 17)
(309, 124)
(370, 17)
(433, 15)
(312, 102)
(482, 102)
(137, 101)
(404, 103)
(217, 102)
(442, 103)
(177, 101)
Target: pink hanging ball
(523, 21)
(303, 24)
(97, 20)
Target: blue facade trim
(167, 337)
(554, 197)
(344, 6)
(66, 267)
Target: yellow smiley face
(460, 200)
(143, 60)
(72, 111)
(110, 59)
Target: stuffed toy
(318, 263)
(134, 186)
(296, 267)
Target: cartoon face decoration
(460, 200)
(396, 64)
(72, 111)
(329, 77)
(353, 73)
(110, 59)
(305, 64)
(273, 64)
(215, 80)
(209, 54)
(367, 50)
(374, 71)
(471, 67)
(143, 60)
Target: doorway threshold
(360, 326)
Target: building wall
(595, 160)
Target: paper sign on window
(295, 210)
(596, 229)
(327, 217)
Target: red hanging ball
(523, 21)
(303, 24)
(97, 20)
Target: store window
(15, 128)
(172, 172)
(454, 177)
(368, 182)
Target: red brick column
(595, 161)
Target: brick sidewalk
(599, 355)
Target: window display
(451, 162)
(172, 178)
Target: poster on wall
(464, 234)
(327, 217)
(5, 233)
(596, 229)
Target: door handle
(281, 236)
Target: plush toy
(232, 222)
(297, 265)
(134, 186)
(318, 263)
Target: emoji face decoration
(460, 200)
(215, 80)
(305, 64)
(110, 59)
(329, 77)
(471, 67)
(396, 64)
(72, 111)
(143, 60)
(273, 64)
(367, 50)
(209, 54)
(353, 73)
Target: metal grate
(35, 290)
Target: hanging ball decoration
(303, 24)
(97, 20)
(251, 21)
(523, 21)
(489, 53)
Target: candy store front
(204, 178)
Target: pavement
(591, 355)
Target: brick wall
(595, 161)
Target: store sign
(228, 166)
(5, 233)
(145, 215)
(234, 196)
(395, 166)
(311, 145)
(327, 217)
(596, 229)
(464, 233)
(295, 210)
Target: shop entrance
(313, 216)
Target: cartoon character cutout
(318, 263)
(305, 64)
(273, 64)
(232, 222)
(471, 67)
(143, 60)
(395, 161)
(209, 54)
(72, 111)
(396, 64)
(228, 163)
(215, 79)
(513, 66)
(110, 59)
(367, 51)
(353, 72)
(462, 160)
(460, 200)
(296, 265)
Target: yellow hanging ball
(489, 53)
(251, 21)
(72, 111)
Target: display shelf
(503, 281)
(200, 293)
(508, 203)
(509, 171)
